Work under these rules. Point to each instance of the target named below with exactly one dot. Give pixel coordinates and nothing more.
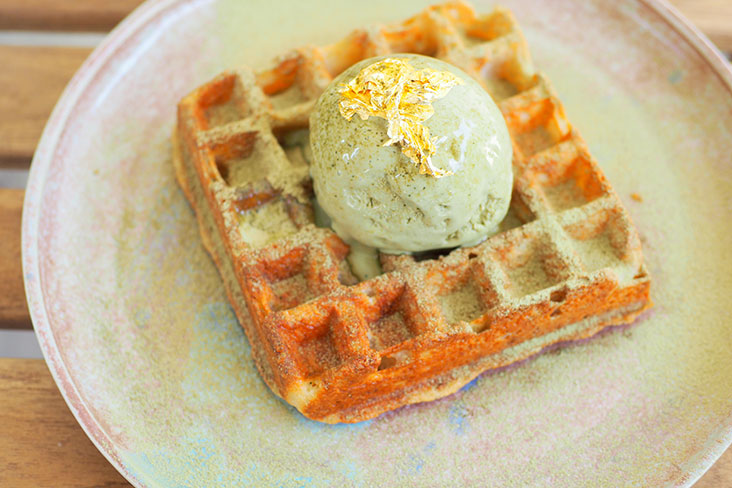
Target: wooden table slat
(713, 17)
(65, 15)
(41, 444)
(13, 308)
(31, 81)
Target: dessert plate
(136, 329)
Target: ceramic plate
(133, 320)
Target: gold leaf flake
(394, 90)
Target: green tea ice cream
(410, 154)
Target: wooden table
(41, 443)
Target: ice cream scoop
(374, 175)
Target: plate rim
(132, 25)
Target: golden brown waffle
(566, 263)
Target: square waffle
(566, 263)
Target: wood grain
(13, 308)
(713, 17)
(41, 444)
(31, 81)
(69, 15)
(720, 474)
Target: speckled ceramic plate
(136, 329)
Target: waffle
(566, 263)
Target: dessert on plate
(334, 189)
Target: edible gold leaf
(394, 90)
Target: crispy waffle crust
(566, 263)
